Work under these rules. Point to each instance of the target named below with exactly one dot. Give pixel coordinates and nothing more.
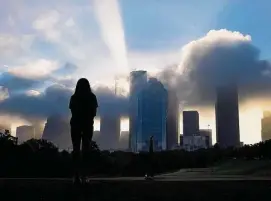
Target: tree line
(41, 158)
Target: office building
(227, 117)
(97, 138)
(172, 120)
(138, 80)
(181, 140)
(124, 141)
(109, 132)
(24, 133)
(57, 131)
(194, 142)
(207, 133)
(190, 123)
(266, 126)
(152, 113)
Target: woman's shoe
(84, 180)
(76, 180)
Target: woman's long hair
(82, 87)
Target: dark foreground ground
(111, 190)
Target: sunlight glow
(97, 124)
(124, 124)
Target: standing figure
(83, 106)
(149, 174)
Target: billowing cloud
(34, 70)
(55, 100)
(12, 45)
(46, 23)
(14, 83)
(221, 57)
(111, 104)
(37, 74)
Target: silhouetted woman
(83, 106)
(149, 174)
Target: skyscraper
(190, 123)
(24, 133)
(97, 138)
(109, 132)
(57, 131)
(138, 80)
(266, 126)
(124, 140)
(227, 117)
(152, 113)
(172, 120)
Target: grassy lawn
(135, 190)
(244, 167)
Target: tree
(7, 140)
(39, 144)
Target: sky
(45, 46)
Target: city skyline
(45, 47)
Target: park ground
(233, 180)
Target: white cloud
(11, 21)
(32, 93)
(200, 48)
(36, 69)
(70, 22)
(47, 23)
(153, 61)
(13, 46)
(9, 44)
(4, 94)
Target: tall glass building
(138, 81)
(152, 115)
(227, 116)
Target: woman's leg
(86, 143)
(76, 143)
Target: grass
(244, 167)
(135, 190)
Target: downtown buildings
(109, 132)
(24, 133)
(193, 137)
(227, 117)
(152, 112)
(173, 114)
(138, 80)
(57, 131)
(190, 123)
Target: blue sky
(40, 40)
(154, 31)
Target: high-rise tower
(190, 123)
(138, 80)
(172, 119)
(152, 113)
(227, 117)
